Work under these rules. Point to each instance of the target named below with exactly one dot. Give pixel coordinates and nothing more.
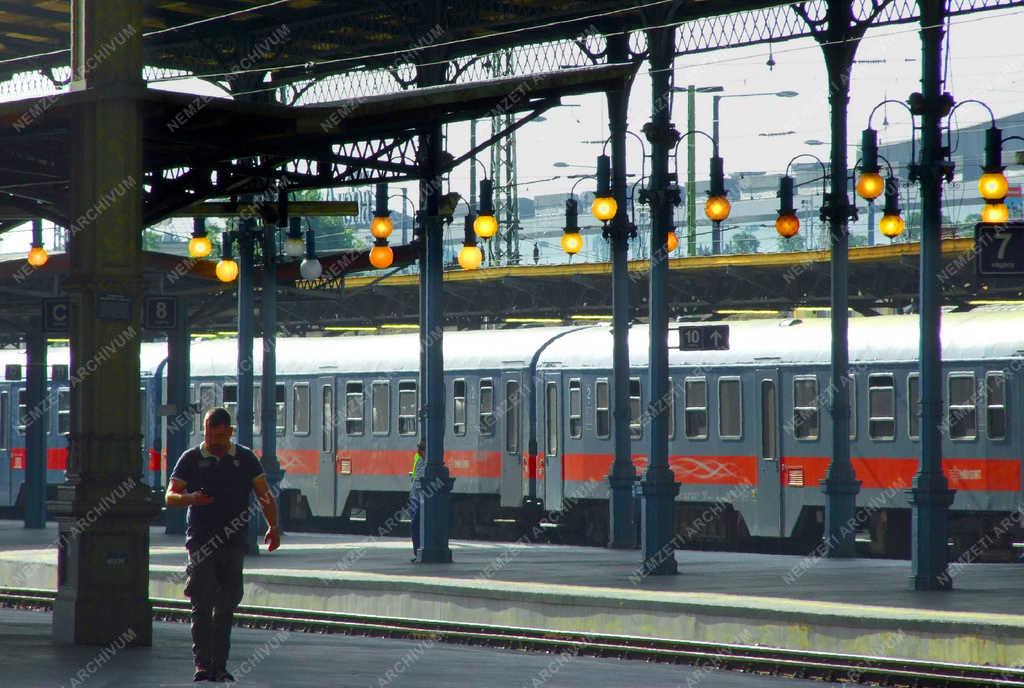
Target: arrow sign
(704, 338)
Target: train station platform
(862, 606)
(283, 659)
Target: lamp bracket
(941, 105)
(667, 135)
(835, 211)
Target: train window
(300, 408)
(696, 421)
(730, 408)
(995, 405)
(354, 408)
(670, 409)
(913, 407)
(407, 407)
(193, 408)
(327, 418)
(881, 407)
(229, 393)
(279, 408)
(852, 388)
(22, 410)
(963, 410)
(64, 411)
(602, 412)
(257, 410)
(487, 407)
(805, 408)
(380, 404)
(459, 407)
(512, 416)
(551, 417)
(4, 412)
(207, 400)
(575, 409)
(636, 429)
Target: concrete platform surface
(284, 660)
(861, 606)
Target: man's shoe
(224, 676)
(203, 675)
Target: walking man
(214, 481)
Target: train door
(6, 488)
(551, 424)
(327, 483)
(769, 481)
(509, 423)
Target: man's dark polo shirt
(229, 481)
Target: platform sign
(704, 338)
(999, 249)
(56, 316)
(160, 313)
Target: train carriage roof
(980, 334)
(990, 334)
(476, 350)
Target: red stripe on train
(56, 458)
(461, 463)
(995, 475)
(688, 469)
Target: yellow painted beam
(860, 254)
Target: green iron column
(930, 496)
(659, 488)
(35, 427)
(840, 484)
(104, 508)
(691, 172)
(435, 486)
(622, 476)
(246, 375)
(179, 426)
(268, 411)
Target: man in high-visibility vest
(418, 464)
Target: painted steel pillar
(840, 484)
(104, 509)
(659, 488)
(691, 172)
(35, 427)
(622, 476)
(435, 486)
(930, 496)
(716, 226)
(268, 409)
(179, 426)
(246, 326)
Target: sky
(984, 63)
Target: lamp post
(716, 225)
(930, 496)
(691, 162)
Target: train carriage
(529, 424)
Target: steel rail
(828, 666)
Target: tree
(858, 240)
(743, 242)
(332, 233)
(795, 243)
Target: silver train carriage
(528, 426)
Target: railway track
(801, 664)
